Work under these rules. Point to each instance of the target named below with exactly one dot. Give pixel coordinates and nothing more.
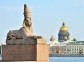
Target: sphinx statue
(24, 35)
(25, 30)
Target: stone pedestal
(38, 52)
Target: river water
(66, 59)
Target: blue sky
(47, 16)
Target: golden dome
(63, 27)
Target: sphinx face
(28, 23)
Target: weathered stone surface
(27, 40)
(19, 52)
(38, 52)
(18, 61)
(42, 53)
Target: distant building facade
(71, 48)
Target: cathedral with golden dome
(63, 34)
(64, 46)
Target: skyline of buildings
(65, 46)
